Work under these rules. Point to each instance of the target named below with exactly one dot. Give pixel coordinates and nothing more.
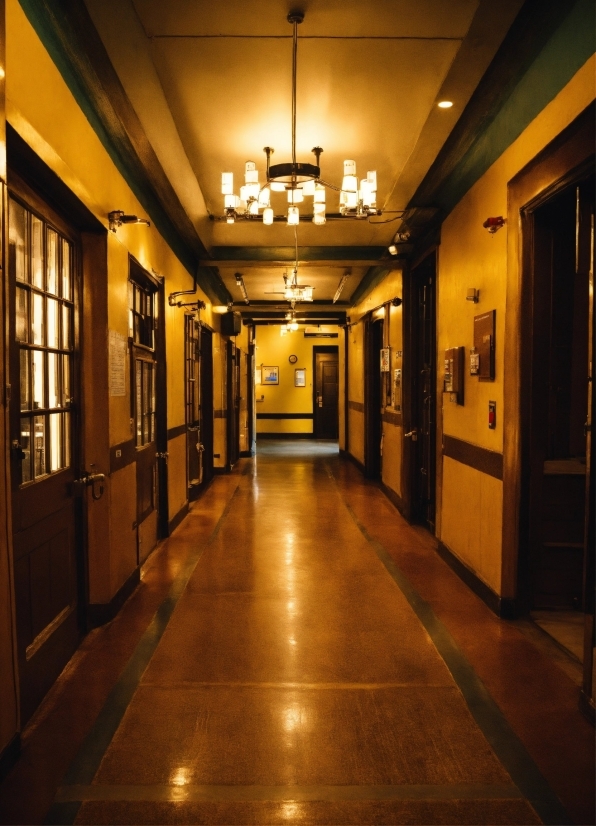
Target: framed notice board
(484, 344)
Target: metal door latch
(95, 481)
(17, 450)
(162, 455)
(413, 435)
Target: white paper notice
(117, 364)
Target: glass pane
(66, 275)
(52, 262)
(17, 241)
(66, 432)
(38, 394)
(146, 403)
(56, 442)
(54, 395)
(39, 446)
(139, 406)
(53, 308)
(22, 320)
(66, 311)
(37, 319)
(26, 448)
(66, 399)
(24, 380)
(37, 252)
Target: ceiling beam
(336, 256)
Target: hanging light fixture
(297, 179)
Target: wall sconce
(117, 218)
(494, 224)
(392, 249)
(473, 295)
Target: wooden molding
(174, 432)
(357, 406)
(392, 417)
(479, 458)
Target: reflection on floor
(566, 627)
(297, 653)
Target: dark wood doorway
(233, 402)
(44, 329)
(149, 405)
(373, 401)
(326, 392)
(199, 405)
(557, 336)
(422, 391)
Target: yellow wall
(42, 110)
(469, 515)
(274, 349)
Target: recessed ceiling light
(445, 104)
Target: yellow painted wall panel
(356, 421)
(392, 457)
(177, 482)
(123, 537)
(472, 519)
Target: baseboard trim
(176, 520)
(347, 455)
(285, 436)
(503, 607)
(9, 755)
(394, 498)
(100, 613)
(247, 454)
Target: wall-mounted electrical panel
(484, 345)
(454, 373)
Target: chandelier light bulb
(349, 167)
(268, 216)
(309, 188)
(230, 219)
(265, 197)
(227, 183)
(350, 183)
(293, 216)
(319, 194)
(318, 216)
(371, 177)
(278, 186)
(295, 196)
(244, 193)
(253, 208)
(251, 173)
(367, 196)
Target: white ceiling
(211, 84)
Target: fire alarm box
(454, 374)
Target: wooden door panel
(326, 402)
(40, 500)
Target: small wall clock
(293, 359)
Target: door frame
(373, 423)
(330, 349)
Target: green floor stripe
(84, 766)
(491, 721)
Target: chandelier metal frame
(297, 179)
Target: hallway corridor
(283, 662)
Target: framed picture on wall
(269, 375)
(300, 377)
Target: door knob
(413, 435)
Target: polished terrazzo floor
(296, 653)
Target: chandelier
(298, 180)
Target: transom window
(41, 266)
(193, 366)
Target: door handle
(17, 450)
(90, 480)
(163, 455)
(413, 435)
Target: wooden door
(233, 403)
(373, 343)
(326, 392)
(206, 405)
(422, 432)
(143, 318)
(44, 330)
(192, 363)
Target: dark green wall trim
(479, 458)
(304, 253)
(502, 607)
(393, 417)
(373, 277)
(549, 41)
(67, 32)
(357, 406)
(100, 613)
(284, 415)
(174, 432)
(284, 436)
(220, 414)
(9, 755)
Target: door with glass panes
(43, 330)
(143, 316)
